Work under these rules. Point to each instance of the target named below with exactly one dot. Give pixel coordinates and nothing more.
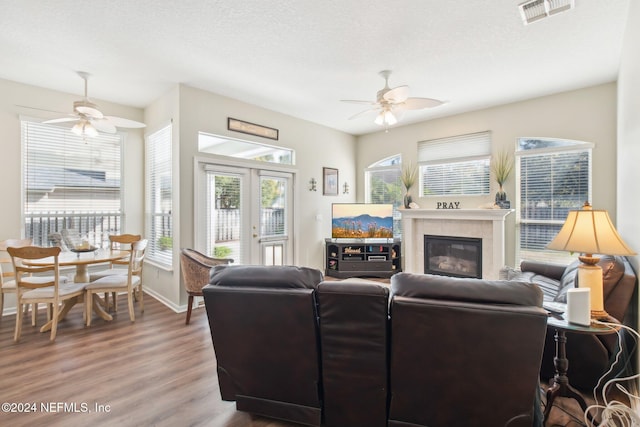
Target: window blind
(551, 183)
(70, 182)
(458, 165)
(383, 185)
(159, 191)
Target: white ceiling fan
(90, 120)
(391, 104)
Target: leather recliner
(464, 352)
(263, 323)
(354, 340)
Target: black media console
(361, 258)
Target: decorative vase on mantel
(501, 199)
(407, 199)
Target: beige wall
(586, 115)
(315, 146)
(628, 171)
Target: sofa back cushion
(257, 276)
(464, 289)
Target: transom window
(457, 165)
(553, 177)
(247, 150)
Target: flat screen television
(361, 221)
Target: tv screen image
(361, 221)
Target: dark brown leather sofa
(464, 352)
(264, 328)
(589, 355)
(291, 347)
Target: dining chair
(40, 289)
(121, 242)
(7, 283)
(114, 283)
(195, 273)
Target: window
(553, 177)
(383, 185)
(70, 183)
(159, 193)
(246, 150)
(455, 166)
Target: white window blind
(383, 185)
(554, 177)
(159, 190)
(70, 182)
(457, 165)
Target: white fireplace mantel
(486, 224)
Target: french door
(246, 214)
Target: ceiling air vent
(535, 10)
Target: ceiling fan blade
(61, 120)
(420, 103)
(397, 94)
(364, 113)
(353, 101)
(124, 123)
(91, 112)
(103, 126)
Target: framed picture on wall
(330, 181)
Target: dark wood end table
(561, 386)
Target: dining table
(81, 259)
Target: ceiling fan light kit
(90, 120)
(391, 103)
(535, 10)
(84, 128)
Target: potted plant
(408, 177)
(502, 166)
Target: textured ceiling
(301, 57)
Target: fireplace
(453, 256)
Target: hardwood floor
(156, 371)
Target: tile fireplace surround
(486, 224)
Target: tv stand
(359, 258)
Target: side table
(561, 386)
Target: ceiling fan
(391, 104)
(90, 120)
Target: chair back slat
(22, 270)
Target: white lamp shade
(589, 231)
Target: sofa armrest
(552, 271)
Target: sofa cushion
(548, 285)
(257, 276)
(463, 289)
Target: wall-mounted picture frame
(251, 128)
(329, 181)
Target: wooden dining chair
(7, 282)
(117, 242)
(32, 288)
(131, 283)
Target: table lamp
(590, 232)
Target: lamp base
(599, 315)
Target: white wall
(17, 100)
(629, 133)
(586, 115)
(315, 146)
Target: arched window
(383, 185)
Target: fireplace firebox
(453, 256)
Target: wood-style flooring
(156, 371)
